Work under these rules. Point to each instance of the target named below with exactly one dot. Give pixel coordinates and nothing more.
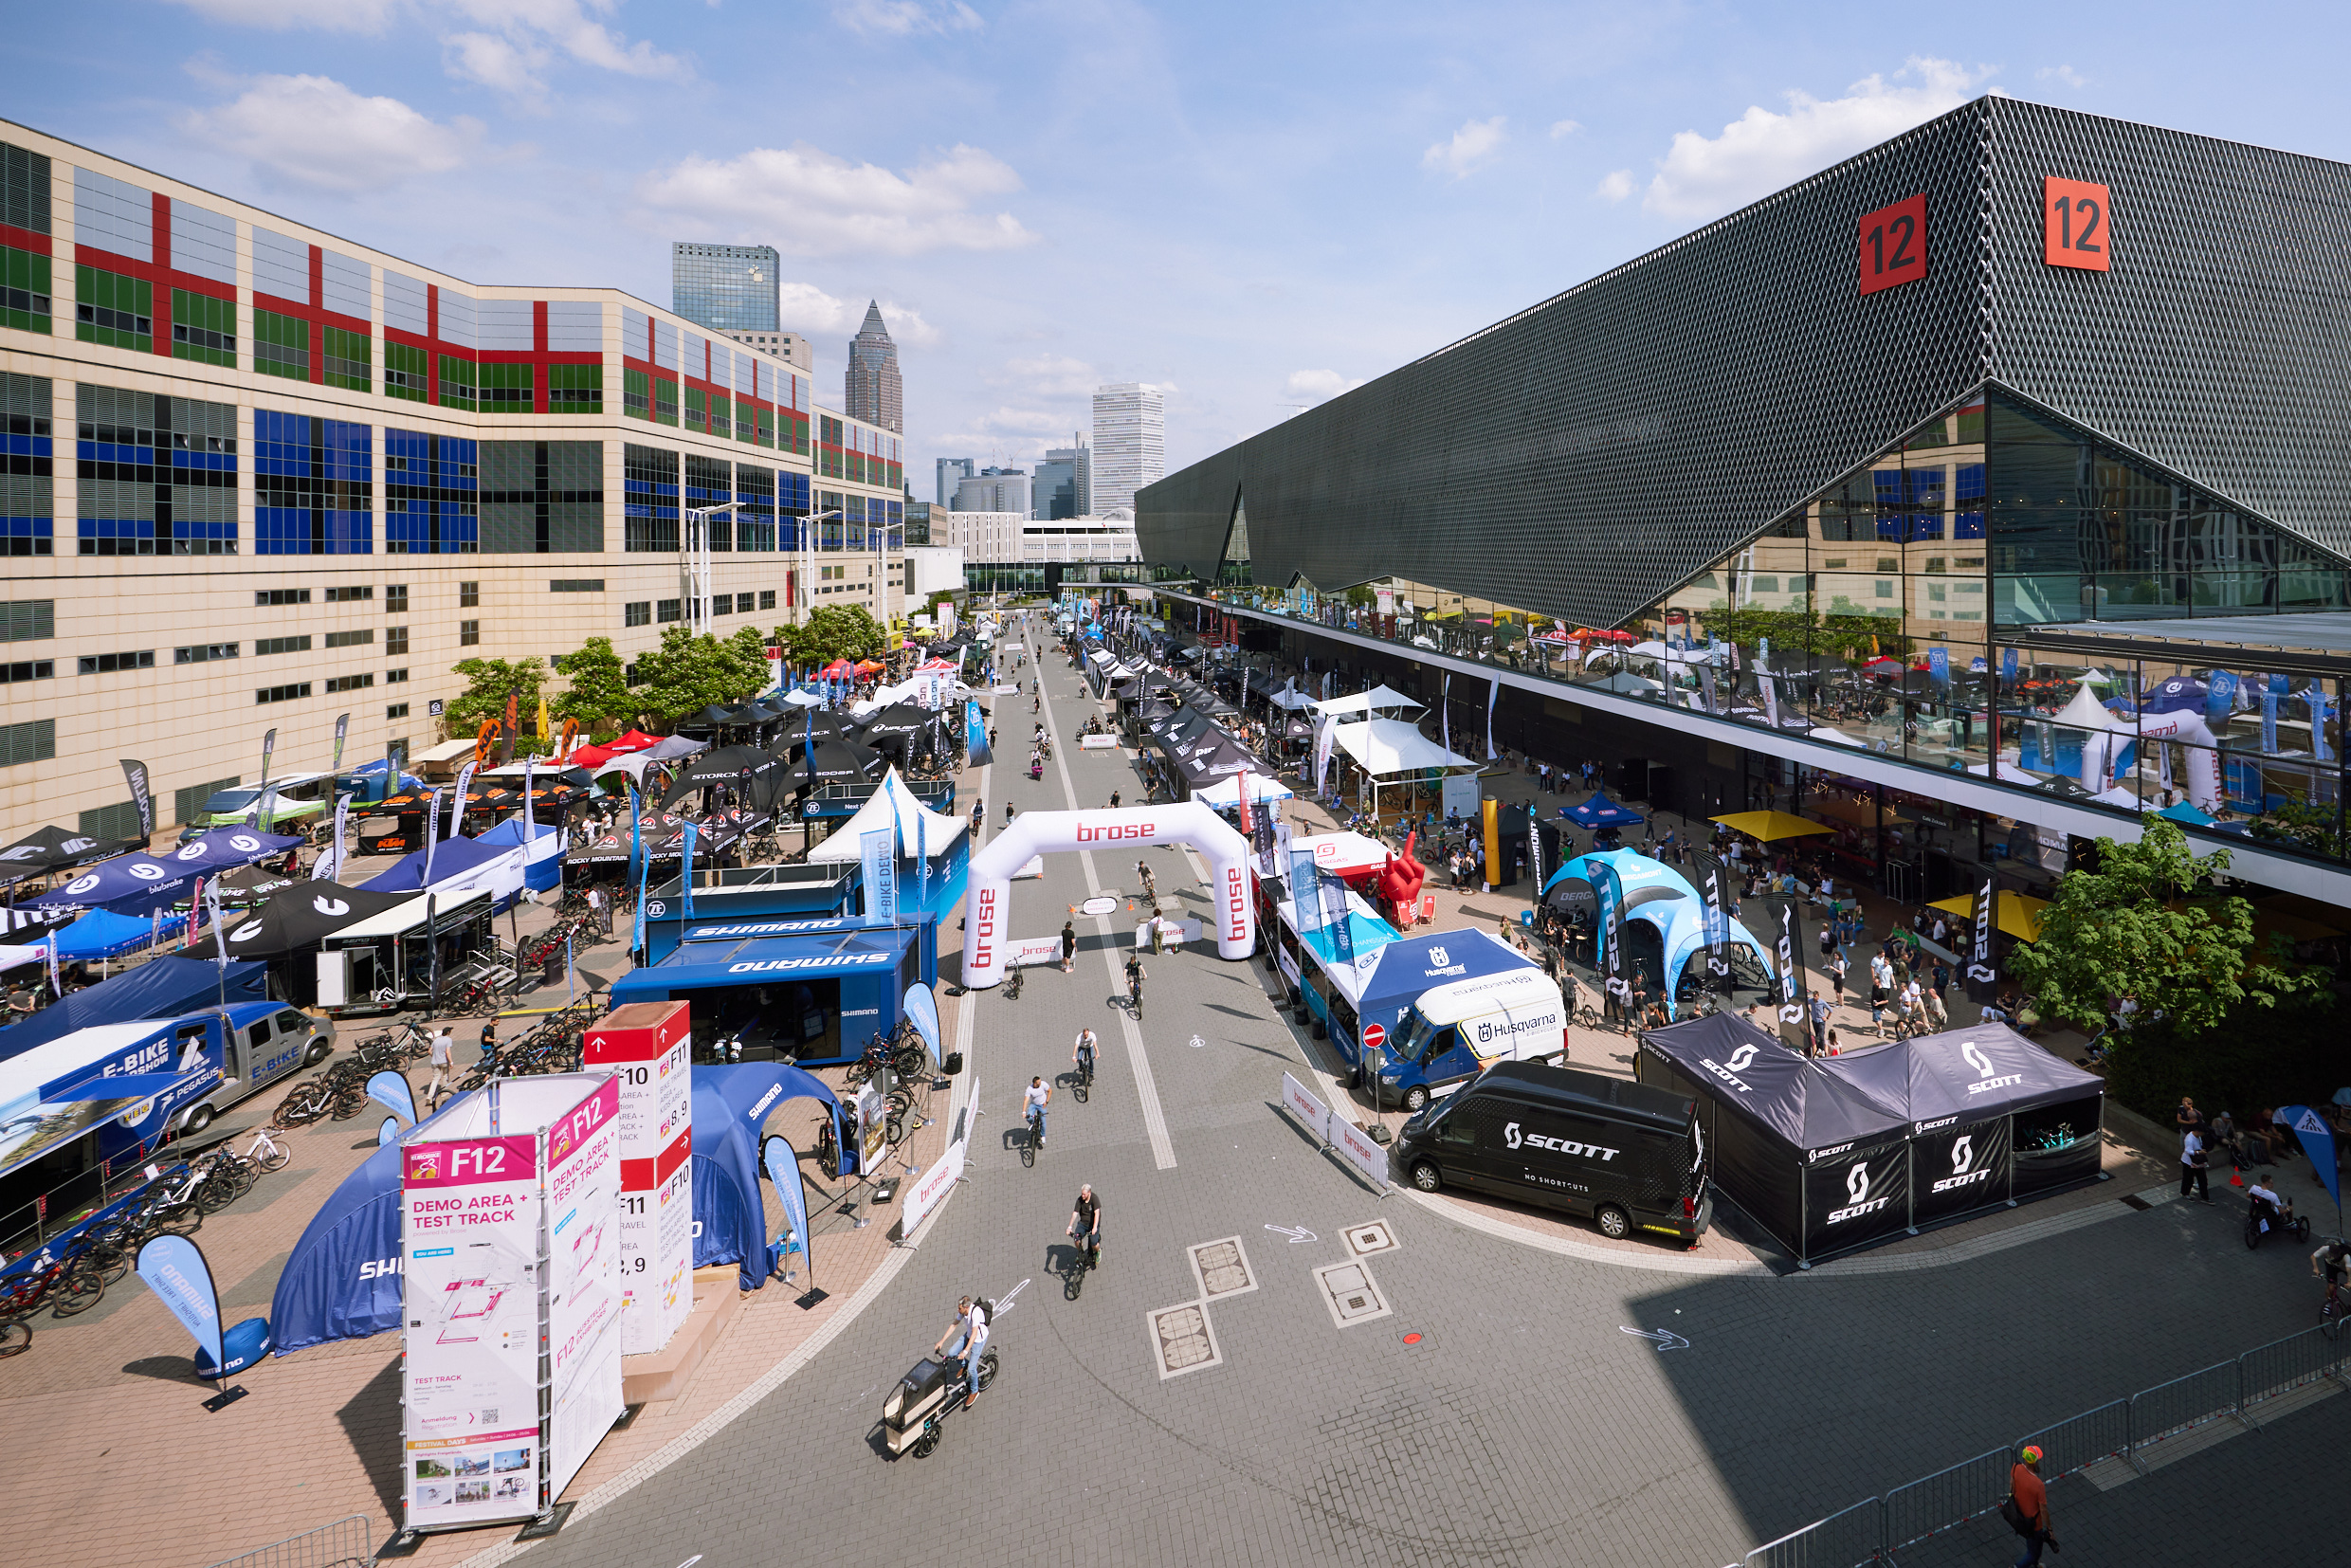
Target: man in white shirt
(1033, 1099)
(970, 1333)
(2273, 1212)
(443, 1044)
(2193, 1172)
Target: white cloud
(531, 31)
(495, 62)
(808, 310)
(817, 204)
(2065, 74)
(899, 18)
(348, 16)
(1565, 128)
(1759, 152)
(1314, 386)
(1466, 148)
(314, 131)
(1615, 186)
(1051, 375)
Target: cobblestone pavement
(1523, 1425)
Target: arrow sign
(1296, 1233)
(1667, 1340)
(1003, 1302)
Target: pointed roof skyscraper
(871, 389)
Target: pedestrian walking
(490, 1043)
(600, 910)
(1069, 944)
(2027, 1509)
(2194, 1164)
(438, 1052)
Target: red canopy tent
(593, 757)
(840, 669)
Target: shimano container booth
(805, 996)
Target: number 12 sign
(2076, 217)
(1893, 245)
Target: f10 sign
(1893, 245)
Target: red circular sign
(1411, 1338)
(1373, 1036)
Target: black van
(1628, 1155)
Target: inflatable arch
(988, 905)
(2174, 712)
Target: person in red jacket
(2024, 1486)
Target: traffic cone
(2236, 1180)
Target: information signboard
(648, 1048)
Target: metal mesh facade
(1588, 454)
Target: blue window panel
(314, 486)
(1968, 525)
(1970, 483)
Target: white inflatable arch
(987, 900)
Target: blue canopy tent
(817, 995)
(162, 987)
(2186, 812)
(102, 934)
(1600, 811)
(460, 865)
(729, 1106)
(1660, 897)
(225, 848)
(542, 861)
(1411, 965)
(130, 884)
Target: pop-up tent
(47, 849)
(542, 850)
(730, 1107)
(102, 934)
(938, 838)
(460, 866)
(295, 918)
(1600, 811)
(1810, 1158)
(1655, 895)
(161, 988)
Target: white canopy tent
(1289, 698)
(892, 804)
(1379, 699)
(1225, 794)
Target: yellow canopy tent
(1768, 825)
(2018, 914)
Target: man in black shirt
(1086, 1225)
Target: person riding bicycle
(1136, 975)
(1035, 1098)
(2332, 1263)
(970, 1333)
(1086, 1225)
(1083, 1057)
(1151, 887)
(2272, 1212)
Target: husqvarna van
(1628, 1155)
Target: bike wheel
(306, 1102)
(15, 1338)
(273, 1158)
(76, 1294)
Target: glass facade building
(724, 287)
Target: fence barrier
(1874, 1530)
(345, 1544)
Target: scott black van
(1628, 1155)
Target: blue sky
(1255, 205)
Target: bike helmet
(2030, 1455)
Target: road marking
(1222, 1268)
(1003, 1302)
(1351, 1293)
(1363, 1240)
(1182, 1340)
(1146, 1088)
(1198, 1042)
(1667, 1340)
(1296, 1233)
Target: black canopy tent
(757, 774)
(1811, 1159)
(295, 918)
(47, 849)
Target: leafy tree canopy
(488, 682)
(687, 673)
(2137, 925)
(832, 632)
(599, 691)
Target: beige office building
(254, 475)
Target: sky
(1255, 207)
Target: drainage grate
(1222, 1268)
(1350, 1292)
(1182, 1340)
(2132, 1201)
(1363, 1240)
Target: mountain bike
(266, 1152)
(1035, 1140)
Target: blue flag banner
(923, 865)
(2318, 1141)
(877, 852)
(922, 1008)
(783, 1168)
(1334, 896)
(389, 1089)
(175, 1268)
(1939, 665)
(2269, 723)
(389, 1132)
(975, 736)
(2220, 695)
(687, 877)
(2008, 666)
(1306, 901)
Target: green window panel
(508, 388)
(636, 395)
(114, 310)
(281, 344)
(800, 434)
(665, 402)
(697, 409)
(576, 388)
(404, 371)
(24, 290)
(764, 427)
(350, 359)
(457, 382)
(722, 415)
(204, 329)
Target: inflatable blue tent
(729, 1106)
(1659, 895)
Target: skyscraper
(728, 288)
(871, 389)
(952, 471)
(1060, 483)
(1130, 444)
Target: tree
(832, 632)
(687, 673)
(2137, 923)
(748, 649)
(599, 685)
(489, 683)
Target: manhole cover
(1363, 1240)
(1222, 1268)
(1182, 1340)
(1350, 1292)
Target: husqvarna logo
(1982, 1063)
(1439, 958)
(1513, 1138)
(1857, 1189)
(1964, 1171)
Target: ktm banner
(571, 733)
(483, 741)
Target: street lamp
(808, 566)
(695, 548)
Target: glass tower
(724, 287)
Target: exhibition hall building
(1980, 492)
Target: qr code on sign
(489, 1415)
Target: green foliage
(599, 685)
(832, 632)
(2120, 928)
(488, 681)
(1849, 637)
(748, 647)
(687, 673)
(2306, 827)
(2260, 1058)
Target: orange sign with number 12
(2077, 223)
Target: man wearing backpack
(970, 1333)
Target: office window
(469, 634)
(468, 595)
(27, 620)
(396, 677)
(24, 300)
(649, 499)
(542, 497)
(577, 585)
(31, 670)
(664, 401)
(708, 483)
(27, 484)
(636, 393)
(762, 426)
(203, 653)
(263, 646)
(456, 381)
(350, 594)
(767, 598)
(723, 604)
(273, 598)
(669, 610)
(754, 519)
(120, 820)
(188, 804)
(404, 371)
(431, 496)
(637, 612)
(347, 359)
(396, 710)
(395, 640)
(281, 344)
(114, 310)
(576, 388)
(282, 694)
(395, 598)
(314, 490)
(507, 389)
(350, 683)
(159, 475)
(35, 741)
(114, 664)
(363, 638)
(204, 329)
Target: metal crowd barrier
(1873, 1531)
(345, 1544)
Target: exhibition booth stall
(811, 998)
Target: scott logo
(1962, 1159)
(1984, 1070)
(1513, 1138)
(1857, 1189)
